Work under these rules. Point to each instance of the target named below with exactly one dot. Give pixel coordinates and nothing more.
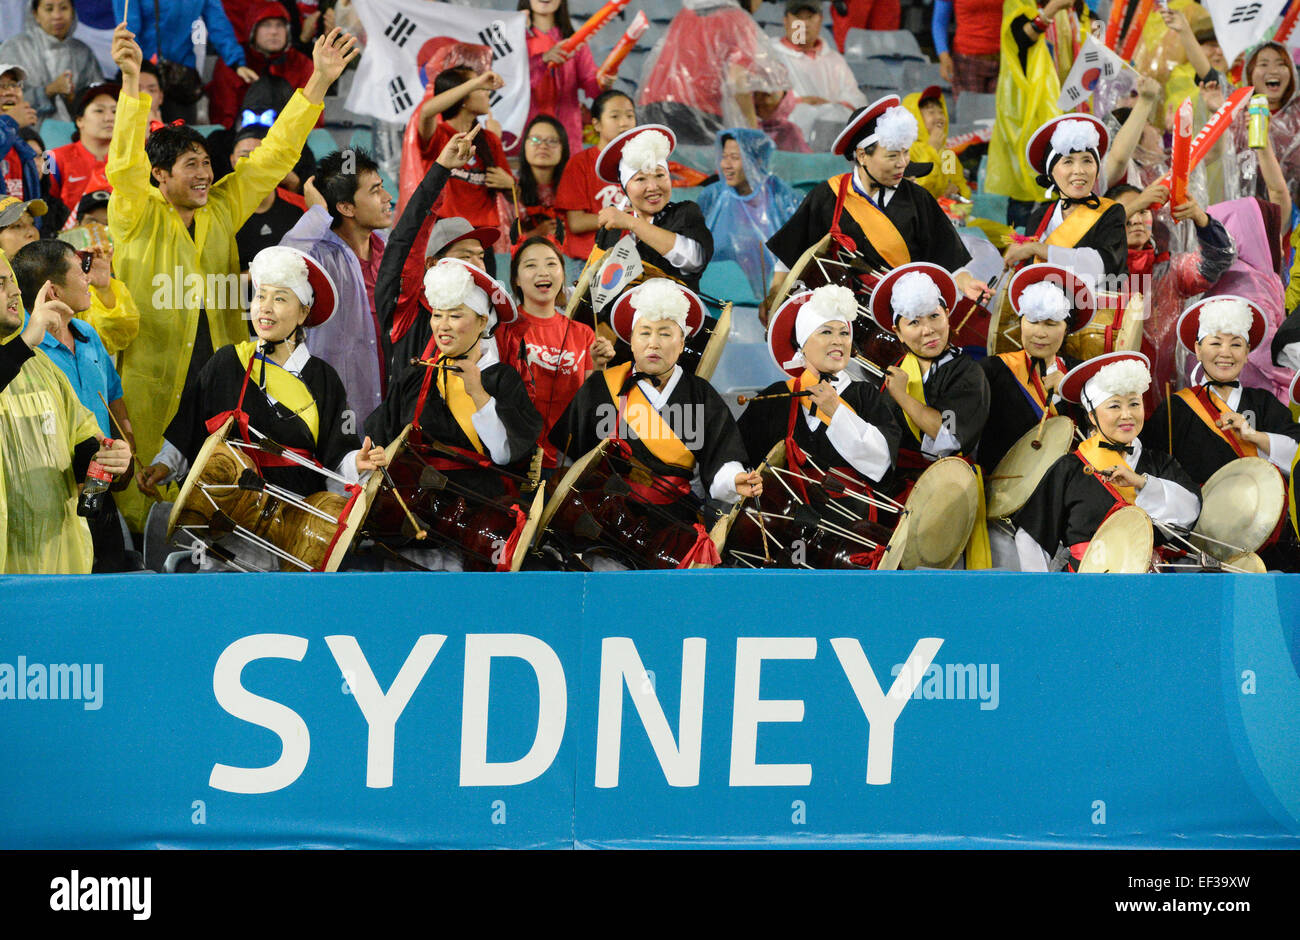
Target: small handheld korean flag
(620, 267)
(1239, 24)
(1094, 64)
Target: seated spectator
(931, 113)
(747, 205)
(819, 76)
(581, 193)
(275, 215)
(12, 103)
(557, 76)
(863, 14)
(93, 207)
(172, 41)
(691, 77)
(772, 111)
(43, 533)
(18, 223)
(58, 67)
(57, 213)
(55, 267)
(75, 166)
(113, 312)
(151, 85)
(460, 97)
(347, 208)
(546, 151)
(267, 52)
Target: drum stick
(420, 532)
(742, 399)
(762, 527)
(126, 10)
(120, 432)
(1169, 412)
(1037, 442)
(1007, 476)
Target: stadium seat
(726, 280)
(975, 108)
(56, 133)
(919, 75)
(805, 169)
(321, 142)
(696, 156)
(862, 44)
(882, 73)
(687, 193)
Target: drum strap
(880, 231)
(1030, 382)
(508, 553)
(794, 454)
(915, 387)
(263, 458)
(282, 385)
(1290, 495)
(1202, 404)
(979, 555)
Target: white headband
(895, 130)
(642, 154)
(659, 299)
(1126, 377)
(1044, 300)
(1073, 137)
(1225, 316)
(448, 285)
(914, 295)
(282, 267)
(828, 304)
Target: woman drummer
(873, 211)
(1075, 228)
(272, 384)
(671, 236)
(671, 421)
(1208, 425)
(464, 399)
(1050, 302)
(826, 420)
(1109, 470)
(938, 395)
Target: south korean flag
(387, 83)
(1094, 66)
(1240, 24)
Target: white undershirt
(858, 441)
(1281, 449)
(1084, 262)
(946, 443)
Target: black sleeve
(188, 428)
(880, 416)
(1271, 416)
(1159, 464)
(574, 434)
(388, 282)
(966, 395)
(82, 454)
(690, 224)
(1045, 514)
(1155, 430)
(1287, 333)
(1023, 42)
(806, 227)
(722, 442)
(12, 356)
(515, 409)
(1109, 238)
(333, 442)
(944, 246)
(763, 423)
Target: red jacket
(226, 90)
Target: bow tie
(1118, 448)
(637, 377)
(1233, 384)
(1090, 200)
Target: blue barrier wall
(704, 709)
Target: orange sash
(881, 232)
(1102, 458)
(1018, 363)
(1198, 399)
(636, 410)
(808, 380)
(1075, 225)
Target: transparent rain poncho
(41, 423)
(742, 224)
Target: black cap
(794, 6)
(92, 201)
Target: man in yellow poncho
(1028, 86)
(931, 115)
(174, 232)
(47, 440)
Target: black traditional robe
(1011, 412)
(1069, 505)
(957, 387)
(927, 232)
(501, 382)
(766, 422)
(694, 411)
(1108, 235)
(681, 218)
(1197, 447)
(215, 389)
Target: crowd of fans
(98, 351)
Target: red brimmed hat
(1076, 291)
(1189, 324)
(1071, 387)
(608, 160)
(1040, 145)
(860, 124)
(780, 333)
(1293, 391)
(932, 92)
(324, 294)
(623, 313)
(502, 304)
(881, 305)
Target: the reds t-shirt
(581, 190)
(467, 194)
(558, 357)
(72, 169)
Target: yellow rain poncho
(1025, 99)
(41, 423)
(938, 182)
(171, 275)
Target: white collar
(297, 360)
(488, 351)
(1232, 399)
(935, 363)
(885, 192)
(656, 397)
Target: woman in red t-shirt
(75, 166)
(552, 353)
(546, 151)
(557, 76)
(582, 194)
(460, 97)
